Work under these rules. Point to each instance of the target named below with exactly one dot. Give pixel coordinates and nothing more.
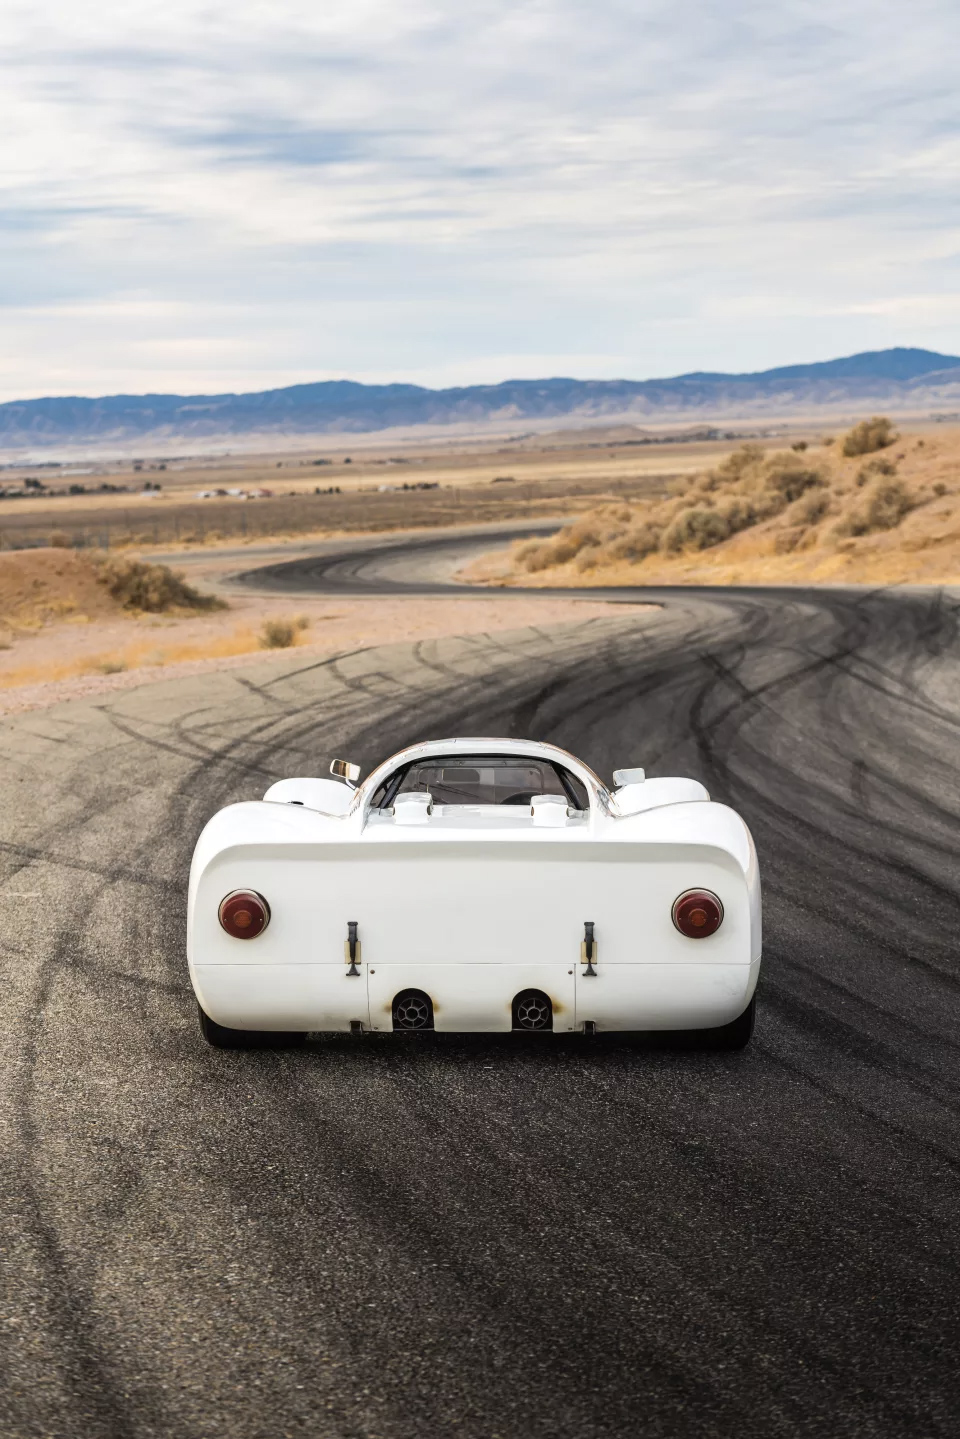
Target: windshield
(482, 779)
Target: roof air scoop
(414, 808)
(549, 811)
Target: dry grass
(552, 475)
(177, 523)
(158, 649)
(39, 587)
(140, 654)
(758, 516)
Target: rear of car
(463, 916)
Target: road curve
(421, 562)
(479, 1236)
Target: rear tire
(735, 1035)
(221, 1037)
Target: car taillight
(697, 913)
(244, 914)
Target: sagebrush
(870, 435)
(883, 507)
(278, 634)
(801, 501)
(748, 487)
(152, 589)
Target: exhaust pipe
(532, 1010)
(412, 1009)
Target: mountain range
(913, 380)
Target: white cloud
(212, 196)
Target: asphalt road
(495, 1237)
(367, 565)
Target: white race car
(475, 885)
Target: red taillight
(244, 914)
(697, 913)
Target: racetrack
(494, 1236)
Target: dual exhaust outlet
(531, 1009)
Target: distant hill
(897, 379)
(899, 364)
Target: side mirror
(628, 776)
(344, 770)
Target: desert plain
(742, 507)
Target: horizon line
(487, 385)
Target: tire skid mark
(104, 1407)
(31, 854)
(582, 698)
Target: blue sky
(205, 197)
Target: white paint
(473, 903)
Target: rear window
(483, 779)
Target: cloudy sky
(205, 197)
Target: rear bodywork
(472, 908)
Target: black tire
(223, 1038)
(735, 1035)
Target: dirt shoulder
(90, 653)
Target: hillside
(873, 507)
(898, 380)
(47, 586)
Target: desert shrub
(736, 465)
(789, 480)
(799, 446)
(740, 513)
(302, 622)
(751, 486)
(593, 529)
(697, 529)
(869, 436)
(278, 634)
(811, 507)
(563, 548)
(112, 667)
(526, 554)
(59, 541)
(638, 542)
(882, 509)
(939, 488)
(153, 588)
(536, 557)
(589, 531)
(873, 468)
(887, 504)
